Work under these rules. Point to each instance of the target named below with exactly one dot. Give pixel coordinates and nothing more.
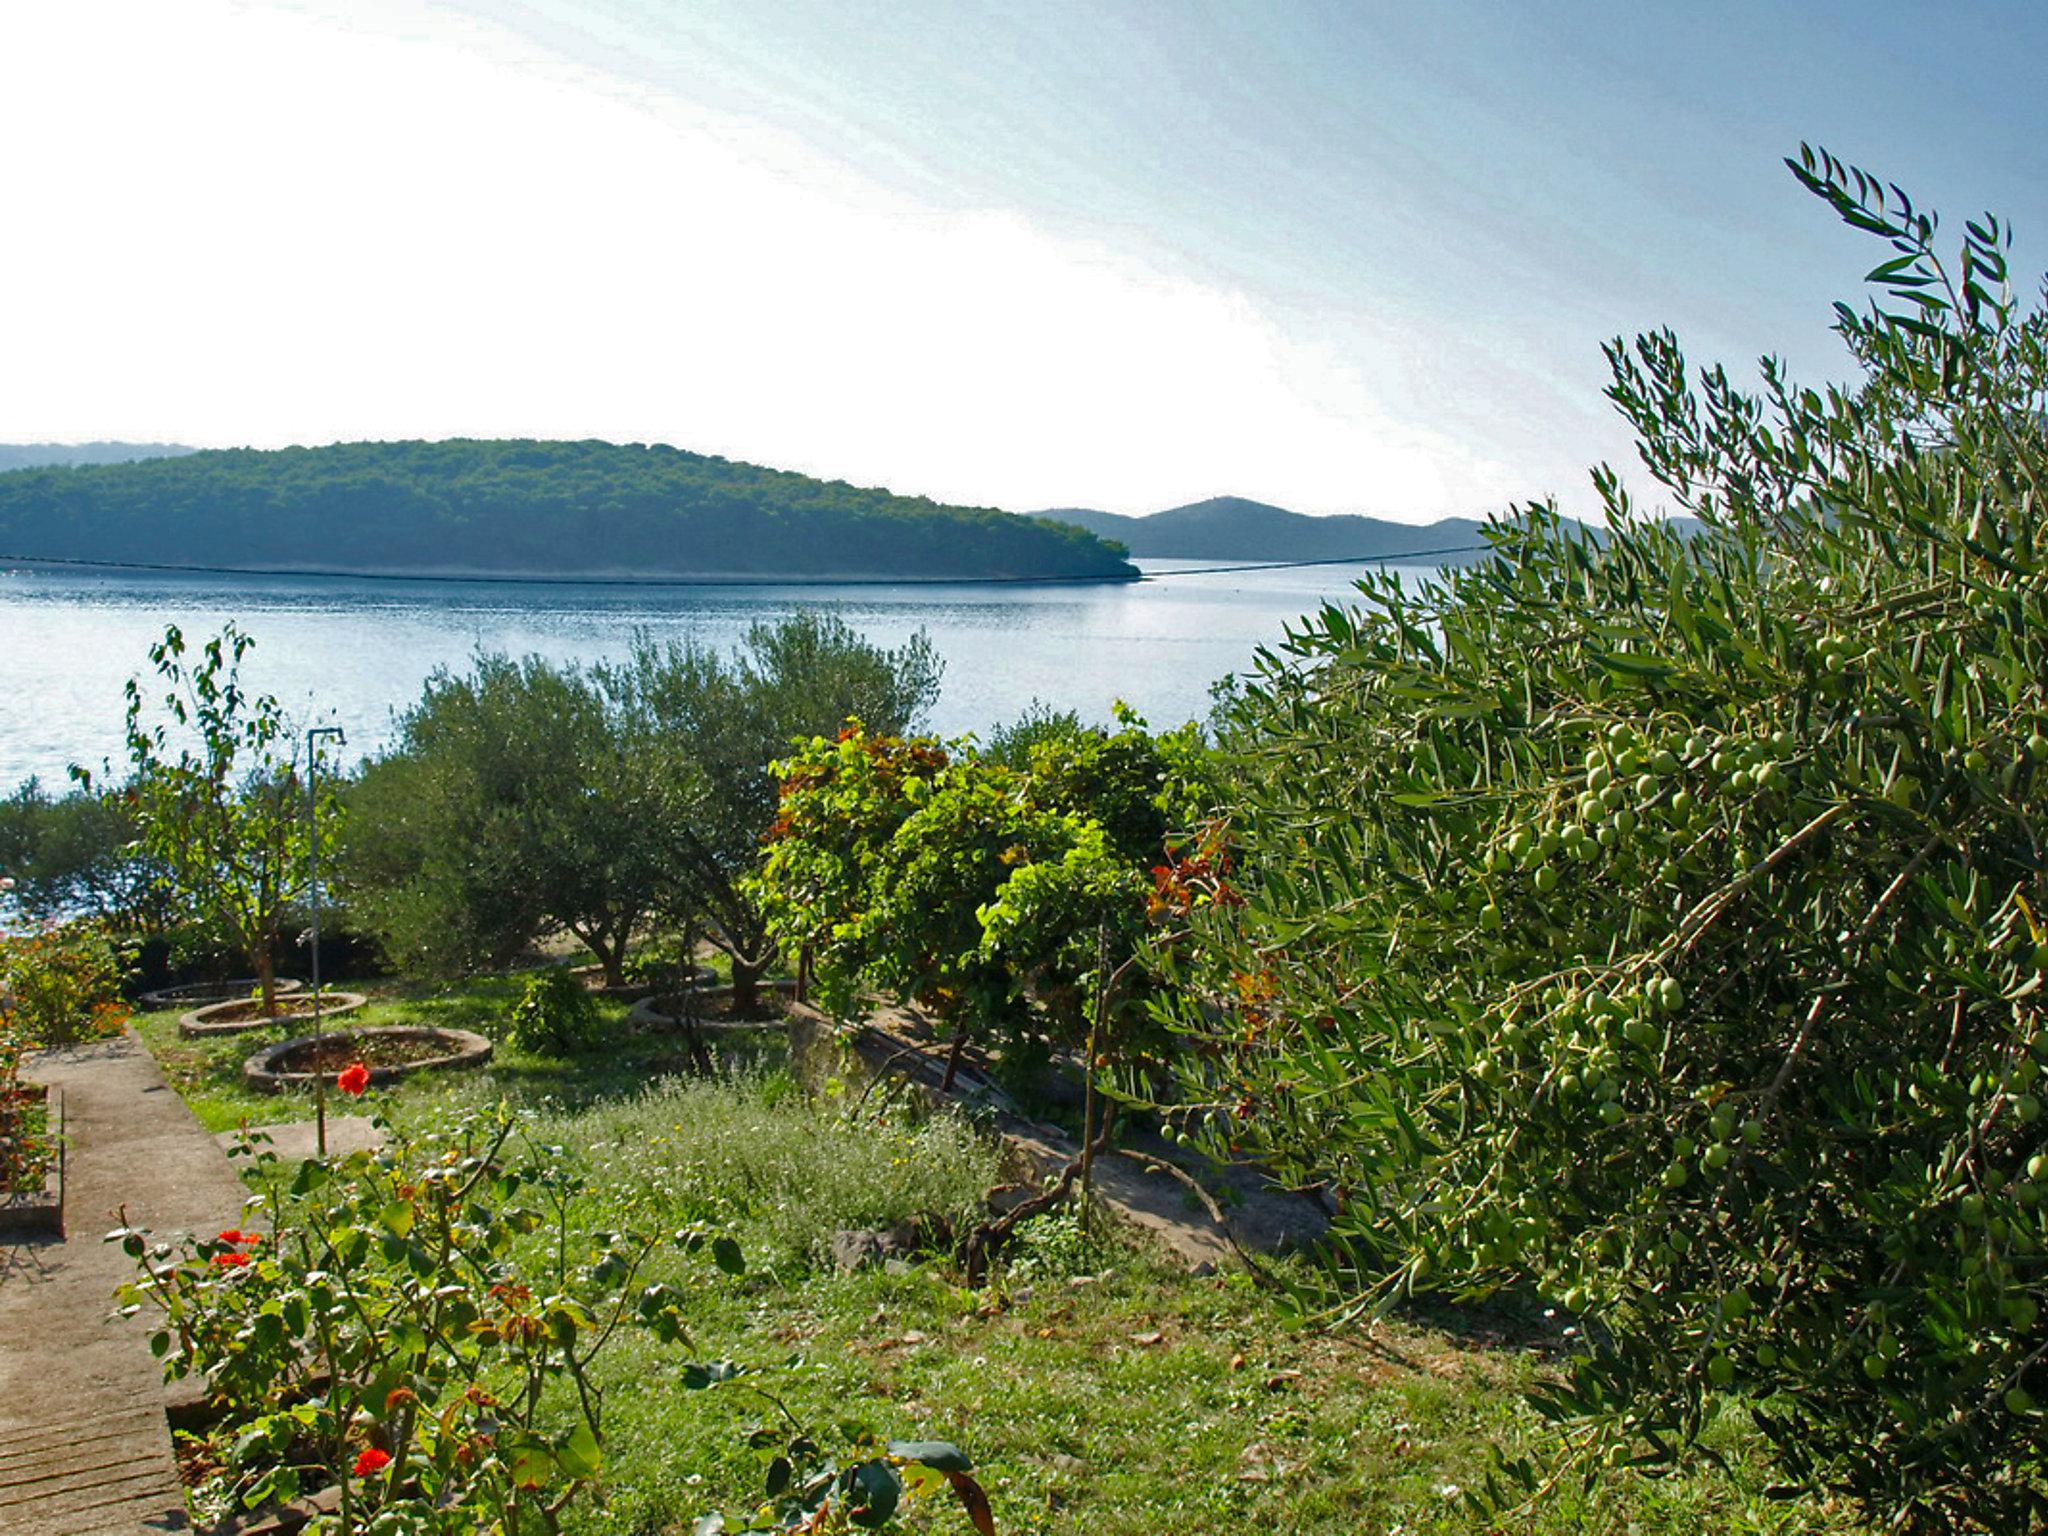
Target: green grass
(1097, 1390)
(207, 1074)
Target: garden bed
(196, 994)
(239, 1015)
(32, 1185)
(389, 1052)
(710, 1008)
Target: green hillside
(1233, 528)
(519, 506)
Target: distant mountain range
(37, 455)
(1233, 528)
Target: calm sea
(352, 652)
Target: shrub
(390, 1336)
(24, 1143)
(993, 893)
(555, 1015)
(746, 1148)
(1658, 917)
(64, 982)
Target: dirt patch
(338, 1052)
(390, 1053)
(242, 1014)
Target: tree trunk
(746, 987)
(266, 977)
(954, 1057)
(609, 953)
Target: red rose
(354, 1079)
(229, 1260)
(372, 1461)
(239, 1237)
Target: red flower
(232, 1236)
(229, 1260)
(372, 1461)
(355, 1077)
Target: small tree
(1003, 896)
(508, 808)
(216, 798)
(704, 729)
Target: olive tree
(508, 808)
(1658, 917)
(705, 726)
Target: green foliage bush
(62, 982)
(385, 1332)
(74, 853)
(993, 893)
(751, 1148)
(1657, 917)
(555, 1015)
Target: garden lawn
(208, 1073)
(1096, 1390)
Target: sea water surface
(351, 652)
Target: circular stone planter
(195, 994)
(654, 1012)
(221, 1018)
(286, 1064)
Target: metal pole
(313, 898)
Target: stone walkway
(84, 1447)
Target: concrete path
(296, 1140)
(84, 1447)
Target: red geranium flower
(354, 1079)
(229, 1260)
(372, 1461)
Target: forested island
(520, 506)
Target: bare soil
(372, 1050)
(289, 1005)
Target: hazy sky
(1344, 256)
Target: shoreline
(15, 565)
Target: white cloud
(264, 224)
